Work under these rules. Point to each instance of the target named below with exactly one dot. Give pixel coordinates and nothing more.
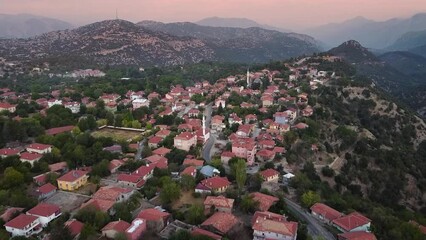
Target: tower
(248, 77)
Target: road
(207, 148)
(314, 227)
(138, 155)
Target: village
(214, 166)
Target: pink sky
(291, 14)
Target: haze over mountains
(237, 23)
(27, 25)
(369, 33)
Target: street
(314, 227)
(141, 145)
(210, 142)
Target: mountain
(398, 73)
(243, 45)
(26, 25)
(236, 23)
(369, 33)
(115, 42)
(414, 42)
(119, 42)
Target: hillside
(241, 44)
(409, 40)
(26, 25)
(406, 62)
(372, 34)
(389, 73)
(118, 42)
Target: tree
(248, 204)
(88, 232)
(12, 178)
(195, 214)
(187, 182)
(61, 233)
(309, 198)
(240, 173)
(101, 169)
(170, 192)
(120, 236)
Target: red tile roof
(219, 201)
(99, 204)
(152, 214)
(58, 166)
(222, 222)
(193, 162)
(46, 188)
(30, 156)
(351, 221)
(74, 226)
(198, 231)
(185, 136)
(21, 221)
(216, 182)
(357, 236)
(327, 212)
(58, 130)
(39, 146)
(9, 151)
(10, 212)
(110, 193)
(191, 170)
(155, 140)
(269, 173)
(119, 226)
(71, 176)
(44, 209)
(265, 201)
(155, 159)
(161, 151)
(270, 224)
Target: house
(154, 141)
(59, 130)
(325, 213)
(131, 180)
(105, 206)
(270, 175)
(265, 155)
(265, 201)
(45, 213)
(7, 107)
(115, 164)
(201, 232)
(116, 194)
(24, 225)
(218, 204)
(209, 171)
(352, 223)
(116, 148)
(162, 151)
(73, 106)
(356, 236)
(191, 171)
(39, 148)
(72, 180)
(244, 148)
(59, 167)
(155, 219)
(163, 133)
(267, 225)
(193, 162)
(267, 100)
(221, 223)
(140, 102)
(216, 184)
(281, 117)
(46, 191)
(266, 144)
(136, 229)
(220, 102)
(217, 123)
(7, 152)
(75, 227)
(115, 227)
(244, 130)
(250, 119)
(10, 212)
(185, 140)
(226, 156)
(53, 102)
(30, 157)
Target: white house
(140, 102)
(39, 148)
(45, 212)
(24, 225)
(73, 106)
(53, 102)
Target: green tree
(170, 192)
(195, 214)
(187, 182)
(12, 178)
(240, 173)
(248, 204)
(309, 198)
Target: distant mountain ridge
(119, 42)
(26, 25)
(369, 33)
(237, 23)
(241, 44)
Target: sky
(291, 14)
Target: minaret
(248, 77)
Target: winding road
(207, 148)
